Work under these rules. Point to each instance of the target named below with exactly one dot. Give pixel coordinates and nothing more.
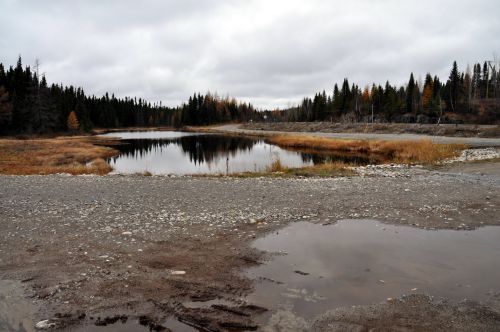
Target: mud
(92, 248)
(360, 262)
(413, 313)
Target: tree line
(472, 96)
(29, 105)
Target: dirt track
(88, 244)
(471, 141)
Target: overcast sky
(271, 53)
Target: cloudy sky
(271, 53)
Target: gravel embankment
(278, 130)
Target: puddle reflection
(357, 262)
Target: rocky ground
(413, 313)
(458, 130)
(90, 249)
(363, 132)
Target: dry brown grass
(407, 152)
(337, 168)
(276, 166)
(73, 155)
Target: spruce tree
(5, 111)
(454, 87)
(486, 79)
(410, 93)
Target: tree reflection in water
(200, 148)
(217, 154)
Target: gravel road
(89, 246)
(471, 141)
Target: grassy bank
(407, 152)
(73, 155)
(321, 170)
(327, 169)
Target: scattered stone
(46, 324)
(475, 154)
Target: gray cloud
(271, 53)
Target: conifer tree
(73, 123)
(427, 95)
(454, 87)
(5, 110)
(410, 95)
(486, 80)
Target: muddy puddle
(134, 325)
(316, 268)
(16, 312)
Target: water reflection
(349, 158)
(194, 153)
(206, 154)
(198, 149)
(357, 262)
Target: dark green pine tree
(486, 80)
(345, 96)
(46, 117)
(476, 81)
(3, 77)
(454, 87)
(410, 95)
(337, 102)
(18, 92)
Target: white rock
(127, 233)
(178, 272)
(45, 325)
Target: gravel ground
(89, 246)
(457, 130)
(413, 313)
(274, 130)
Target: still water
(316, 268)
(168, 152)
(356, 262)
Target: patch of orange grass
(277, 166)
(337, 168)
(49, 156)
(408, 152)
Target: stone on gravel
(46, 324)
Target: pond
(181, 153)
(354, 262)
